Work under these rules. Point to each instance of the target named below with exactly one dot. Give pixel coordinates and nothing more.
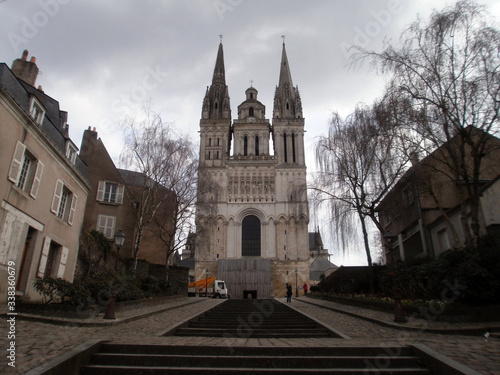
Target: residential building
(252, 215)
(44, 184)
(109, 207)
(423, 212)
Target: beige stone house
(43, 185)
(410, 211)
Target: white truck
(209, 287)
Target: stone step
(254, 318)
(348, 351)
(290, 362)
(245, 332)
(117, 359)
(123, 370)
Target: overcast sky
(102, 59)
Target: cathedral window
(257, 145)
(210, 141)
(250, 236)
(245, 145)
(293, 146)
(284, 148)
(250, 111)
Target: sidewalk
(413, 324)
(124, 314)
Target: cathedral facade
(252, 214)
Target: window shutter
(37, 179)
(110, 227)
(56, 200)
(62, 262)
(17, 162)
(119, 194)
(100, 191)
(43, 258)
(72, 211)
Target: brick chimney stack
(25, 70)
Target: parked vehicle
(208, 287)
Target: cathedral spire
(287, 102)
(219, 71)
(285, 75)
(216, 103)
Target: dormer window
(71, 152)
(37, 112)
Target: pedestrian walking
(288, 292)
(305, 288)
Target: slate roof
(54, 119)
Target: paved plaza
(38, 342)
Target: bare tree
(165, 194)
(180, 164)
(449, 69)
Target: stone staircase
(243, 318)
(113, 359)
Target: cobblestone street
(38, 342)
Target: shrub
(314, 288)
(59, 290)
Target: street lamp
(119, 241)
(399, 314)
(110, 309)
(296, 284)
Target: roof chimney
(26, 71)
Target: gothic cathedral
(252, 215)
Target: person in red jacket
(305, 288)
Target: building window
(250, 236)
(52, 260)
(64, 203)
(106, 225)
(257, 145)
(443, 242)
(25, 171)
(37, 112)
(284, 148)
(245, 145)
(110, 192)
(71, 153)
(408, 195)
(250, 111)
(293, 147)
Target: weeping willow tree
(360, 160)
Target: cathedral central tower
(252, 214)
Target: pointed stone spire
(216, 102)
(219, 71)
(285, 81)
(287, 102)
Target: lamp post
(296, 284)
(399, 314)
(119, 241)
(110, 309)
